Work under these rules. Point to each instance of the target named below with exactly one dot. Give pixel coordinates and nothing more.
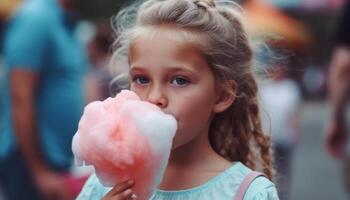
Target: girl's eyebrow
(173, 69)
(170, 68)
(136, 68)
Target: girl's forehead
(166, 31)
(163, 50)
(156, 40)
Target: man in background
(42, 101)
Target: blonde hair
(215, 28)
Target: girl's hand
(121, 191)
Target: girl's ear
(226, 96)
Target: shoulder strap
(245, 184)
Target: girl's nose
(158, 98)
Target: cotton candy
(125, 138)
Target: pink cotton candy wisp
(125, 138)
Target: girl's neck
(192, 154)
(195, 162)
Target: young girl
(193, 60)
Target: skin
(339, 93)
(176, 77)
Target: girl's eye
(180, 81)
(141, 80)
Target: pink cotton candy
(125, 138)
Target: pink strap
(245, 184)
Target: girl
(193, 60)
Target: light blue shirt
(38, 38)
(222, 187)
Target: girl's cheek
(138, 92)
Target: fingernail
(128, 191)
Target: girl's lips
(170, 113)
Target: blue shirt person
(43, 99)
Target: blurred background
(293, 61)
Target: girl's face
(175, 77)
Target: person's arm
(339, 93)
(23, 84)
(339, 84)
(23, 89)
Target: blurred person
(337, 134)
(43, 100)
(281, 99)
(279, 94)
(99, 76)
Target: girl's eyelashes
(141, 80)
(179, 81)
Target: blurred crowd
(55, 58)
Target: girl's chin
(176, 145)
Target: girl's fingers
(132, 197)
(126, 195)
(121, 187)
